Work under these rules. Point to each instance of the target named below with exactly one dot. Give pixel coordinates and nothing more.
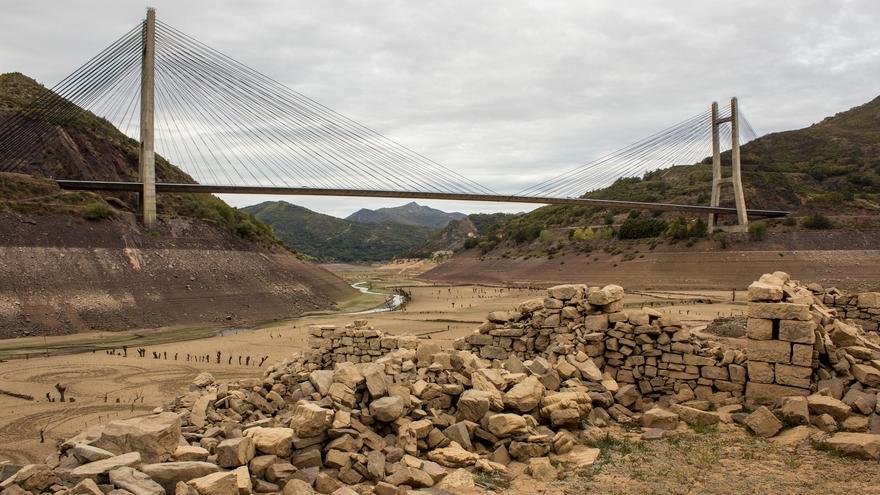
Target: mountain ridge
(411, 213)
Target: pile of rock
(586, 331)
(862, 308)
(390, 413)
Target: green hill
(409, 214)
(333, 239)
(829, 170)
(80, 145)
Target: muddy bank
(60, 275)
(694, 269)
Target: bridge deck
(301, 191)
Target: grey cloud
(508, 93)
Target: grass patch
(492, 481)
(97, 211)
(698, 428)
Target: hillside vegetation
(827, 175)
(82, 146)
(328, 238)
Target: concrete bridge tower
(735, 178)
(147, 156)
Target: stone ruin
(366, 412)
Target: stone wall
(863, 309)
(588, 328)
(355, 343)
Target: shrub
(609, 218)
(757, 231)
(790, 221)
(96, 211)
(471, 242)
(817, 221)
(640, 228)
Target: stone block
(779, 311)
(796, 376)
(759, 329)
(764, 291)
(770, 351)
(802, 354)
(770, 394)
(798, 331)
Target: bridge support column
(147, 157)
(735, 178)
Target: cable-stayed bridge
(235, 130)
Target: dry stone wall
(588, 331)
(863, 309)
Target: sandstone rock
(864, 445)
(456, 480)
(243, 480)
(763, 422)
(583, 457)
(694, 416)
(453, 456)
(525, 395)
(88, 487)
(89, 453)
(135, 481)
(473, 405)
(821, 404)
(387, 409)
(410, 476)
(34, 478)
(660, 418)
(867, 375)
(504, 425)
(235, 452)
(224, 483)
(762, 291)
(310, 420)
(190, 453)
(793, 436)
(321, 380)
(796, 411)
(94, 469)
(540, 469)
(168, 474)
(203, 379)
(277, 441)
(587, 367)
(606, 295)
(298, 487)
(154, 437)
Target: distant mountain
(328, 238)
(408, 214)
(458, 233)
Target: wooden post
(147, 157)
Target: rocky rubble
(367, 412)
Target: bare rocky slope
(61, 275)
(78, 261)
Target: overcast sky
(504, 92)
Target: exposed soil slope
(62, 275)
(845, 259)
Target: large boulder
(97, 468)
(525, 395)
(277, 441)
(453, 456)
(225, 483)
(864, 445)
(155, 437)
(504, 425)
(235, 452)
(763, 422)
(310, 420)
(168, 474)
(135, 481)
(387, 409)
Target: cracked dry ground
(708, 461)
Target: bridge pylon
(147, 155)
(735, 179)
